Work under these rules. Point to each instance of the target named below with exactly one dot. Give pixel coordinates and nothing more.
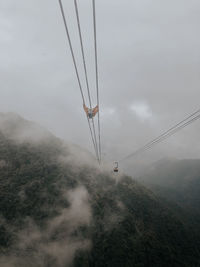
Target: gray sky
(149, 63)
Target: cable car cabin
(116, 167)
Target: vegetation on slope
(55, 213)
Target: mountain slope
(57, 212)
(177, 181)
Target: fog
(57, 244)
(148, 67)
(57, 240)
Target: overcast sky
(149, 64)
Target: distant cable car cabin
(116, 167)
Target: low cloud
(58, 242)
(20, 130)
(141, 110)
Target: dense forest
(58, 212)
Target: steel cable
(97, 75)
(190, 119)
(76, 70)
(85, 70)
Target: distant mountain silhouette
(176, 180)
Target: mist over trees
(58, 212)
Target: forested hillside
(56, 211)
